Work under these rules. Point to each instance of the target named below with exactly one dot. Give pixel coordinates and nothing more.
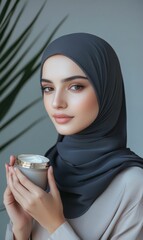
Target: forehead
(60, 66)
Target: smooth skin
(67, 91)
(24, 201)
(22, 221)
(72, 105)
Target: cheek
(87, 105)
(46, 104)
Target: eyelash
(44, 89)
(78, 87)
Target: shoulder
(131, 180)
(132, 177)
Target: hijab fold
(85, 163)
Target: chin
(67, 132)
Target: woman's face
(69, 97)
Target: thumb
(51, 181)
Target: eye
(76, 87)
(47, 89)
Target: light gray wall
(118, 22)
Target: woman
(95, 181)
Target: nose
(59, 100)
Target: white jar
(34, 167)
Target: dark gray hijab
(85, 163)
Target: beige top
(116, 215)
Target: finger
(31, 187)
(7, 192)
(51, 181)
(7, 195)
(10, 180)
(6, 170)
(21, 194)
(7, 176)
(12, 160)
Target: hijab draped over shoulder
(85, 163)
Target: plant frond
(14, 78)
(6, 39)
(19, 48)
(19, 113)
(30, 26)
(30, 65)
(4, 20)
(5, 9)
(3, 146)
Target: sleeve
(9, 233)
(130, 224)
(64, 232)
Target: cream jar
(34, 167)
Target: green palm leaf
(26, 32)
(26, 72)
(19, 113)
(14, 77)
(3, 146)
(5, 23)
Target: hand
(22, 221)
(46, 208)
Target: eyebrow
(65, 79)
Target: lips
(62, 118)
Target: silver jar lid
(32, 161)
